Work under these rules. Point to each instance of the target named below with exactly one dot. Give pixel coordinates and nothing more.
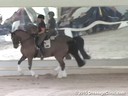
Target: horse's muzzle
(16, 46)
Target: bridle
(23, 41)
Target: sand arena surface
(73, 85)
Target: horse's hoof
(62, 74)
(57, 68)
(82, 63)
(59, 76)
(41, 58)
(87, 57)
(36, 76)
(21, 73)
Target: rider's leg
(36, 41)
(41, 44)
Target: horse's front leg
(19, 62)
(30, 66)
(57, 68)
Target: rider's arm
(42, 30)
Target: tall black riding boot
(42, 52)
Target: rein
(27, 38)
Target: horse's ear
(10, 32)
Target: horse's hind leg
(62, 72)
(73, 49)
(19, 62)
(80, 46)
(83, 53)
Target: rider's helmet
(40, 16)
(0, 18)
(51, 13)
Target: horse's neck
(24, 36)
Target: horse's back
(63, 38)
(59, 44)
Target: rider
(1, 19)
(51, 24)
(41, 33)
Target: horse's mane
(22, 31)
(17, 31)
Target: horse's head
(15, 40)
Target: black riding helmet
(41, 16)
(51, 13)
(0, 17)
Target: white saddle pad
(47, 43)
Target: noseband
(22, 41)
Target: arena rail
(93, 66)
(68, 31)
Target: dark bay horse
(60, 47)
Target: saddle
(47, 43)
(48, 39)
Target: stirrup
(41, 57)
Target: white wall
(65, 3)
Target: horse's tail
(73, 49)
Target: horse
(60, 47)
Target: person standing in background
(1, 19)
(51, 24)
